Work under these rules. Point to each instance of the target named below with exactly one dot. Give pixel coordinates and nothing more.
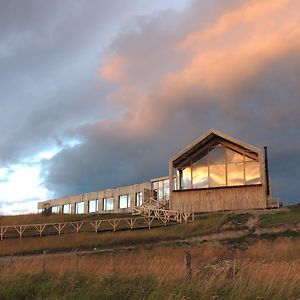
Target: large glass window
(235, 168)
(93, 206)
(200, 173)
(252, 172)
(67, 208)
(217, 175)
(124, 201)
(217, 167)
(234, 157)
(162, 188)
(166, 188)
(55, 209)
(108, 203)
(217, 156)
(186, 181)
(79, 207)
(220, 166)
(235, 174)
(138, 199)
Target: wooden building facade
(215, 173)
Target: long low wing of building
(215, 173)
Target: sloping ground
(237, 229)
(241, 255)
(54, 218)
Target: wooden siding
(100, 195)
(219, 199)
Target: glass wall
(108, 203)
(162, 189)
(219, 167)
(67, 208)
(79, 207)
(93, 206)
(138, 199)
(124, 201)
(55, 209)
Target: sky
(98, 94)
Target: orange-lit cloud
(217, 56)
(232, 64)
(113, 68)
(237, 46)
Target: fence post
(188, 265)
(44, 261)
(113, 265)
(147, 264)
(76, 262)
(11, 259)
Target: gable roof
(208, 137)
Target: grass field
(254, 266)
(204, 224)
(89, 240)
(266, 270)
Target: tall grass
(266, 270)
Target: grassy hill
(242, 255)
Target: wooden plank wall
(219, 199)
(99, 195)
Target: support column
(132, 201)
(171, 183)
(73, 208)
(86, 206)
(116, 203)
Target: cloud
(174, 77)
(162, 80)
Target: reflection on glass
(186, 178)
(175, 184)
(55, 209)
(217, 175)
(252, 172)
(166, 189)
(247, 158)
(138, 199)
(108, 203)
(124, 201)
(234, 157)
(93, 204)
(235, 174)
(155, 185)
(67, 208)
(210, 170)
(79, 207)
(200, 176)
(203, 161)
(160, 189)
(217, 155)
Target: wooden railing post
(188, 265)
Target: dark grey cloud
(132, 118)
(49, 60)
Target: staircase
(159, 209)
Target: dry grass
(270, 270)
(162, 262)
